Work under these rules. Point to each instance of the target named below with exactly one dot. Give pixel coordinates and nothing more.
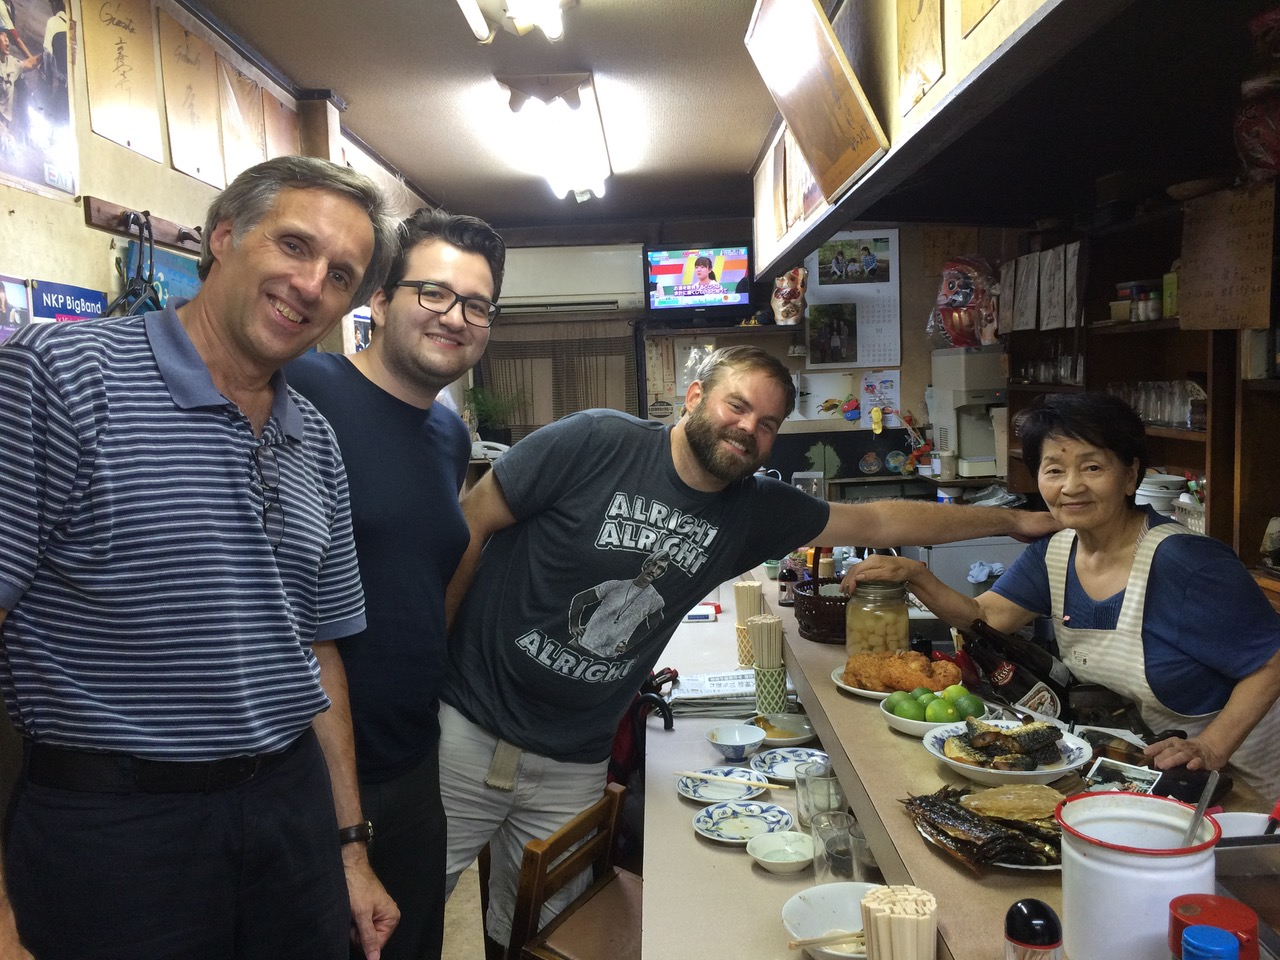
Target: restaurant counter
(707, 899)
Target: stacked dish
(1161, 491)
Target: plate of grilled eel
(1010, 826)
(995, 752)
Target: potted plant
(493, 413)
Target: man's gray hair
(252, 194)
(719, 362)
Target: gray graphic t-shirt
(572, 606)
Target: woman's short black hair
(1098, 419)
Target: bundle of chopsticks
(746, 600)
(900, 923)
(765, 631)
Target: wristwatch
(360, 833)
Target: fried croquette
(898, 670)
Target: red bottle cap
(1207, 909)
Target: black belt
(66, 768)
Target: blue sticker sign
(61, 301)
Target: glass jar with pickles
(876, 618)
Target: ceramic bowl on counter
(823, 908)
(735, 741)
(784, 729)
(1073, 751)
(918, 728)
(787, 851)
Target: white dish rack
(1190, 516)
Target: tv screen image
(687, 282)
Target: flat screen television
(698, 284)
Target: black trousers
(252, 872)
(408, 855)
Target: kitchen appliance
(967, 383)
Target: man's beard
(704, 440)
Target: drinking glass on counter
(817, 791)
(840, 849)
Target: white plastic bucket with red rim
(1122, 862)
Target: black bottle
(787, 579)
(1015, 682)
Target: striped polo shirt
(148, 612)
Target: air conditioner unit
(592, 279)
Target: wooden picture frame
(810, 79)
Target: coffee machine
(967, 383)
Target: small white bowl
(787, 851)
(1163, 481)
(918, 728)
(784, 729)
(823, 908)
(735, 741)
(1241, 824)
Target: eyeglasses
(268, 467)
(438, 298)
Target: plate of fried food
(876, 675)
(1009, 826)
(995, 752)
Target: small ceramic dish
(750, 784)
(823, 908)
(779, 764)
(737, 821)
(735, 741)
(787, 851)
(784, 729)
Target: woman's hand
(1194, 752)
(883, 568)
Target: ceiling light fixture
(476, 20)
(543, 14)
(561, 132)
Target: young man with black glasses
(176, 564)
(406, 454)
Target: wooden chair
(603, 923)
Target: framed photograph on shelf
(807, 73)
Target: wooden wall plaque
(244, 141)
(120, 58)
(1224, 280)
(191, 102)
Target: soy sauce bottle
(787, 579)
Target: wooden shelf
(1107, 327)
(1044, 387)
(1177, 433)
(732, 331)
(1261, 386)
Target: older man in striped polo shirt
(176, 562)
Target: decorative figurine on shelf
(965, 314)
(788, 296)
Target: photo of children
(13, 304)
(858, 260)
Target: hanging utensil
(1203, 805)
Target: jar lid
(881, 590)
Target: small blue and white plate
(780, 763)
(753, 784)
(737, 821)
